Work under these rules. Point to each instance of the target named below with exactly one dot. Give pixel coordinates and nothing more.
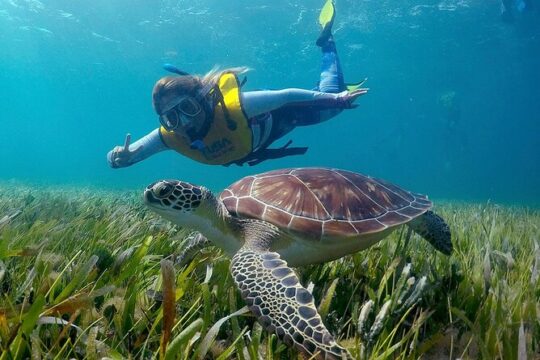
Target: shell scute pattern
(386, 197)
(323, 202)
(339, 197)
(409, 211)
(231, 203)
(392, 218)
(290, 194)
(243, 186)
(276, 216)
(306, 226)
(339, 228)
(368, 226)
(406, 195)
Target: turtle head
(180, 202)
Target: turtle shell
(323, 202)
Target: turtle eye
(162, 189)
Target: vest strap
(268, 154)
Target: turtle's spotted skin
(178, 195)
(274, 294)
(323, 202)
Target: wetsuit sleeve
(260, 102)
(151, 144)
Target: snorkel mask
(182, 111)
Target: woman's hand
(121, 155)
(347, 98)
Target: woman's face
(183, 115)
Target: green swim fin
(355, 86)
(326, 20)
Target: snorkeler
(210, 119)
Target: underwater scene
(330, 179)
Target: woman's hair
(169, 87)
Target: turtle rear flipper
(432, 227)
(273, 293)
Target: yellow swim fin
(355, 86)
(327, 13)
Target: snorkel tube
(201, 93)
(173, 69)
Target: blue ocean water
(453, 109)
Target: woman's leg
(331, 79)
(331, 74)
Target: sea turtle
(294, 217)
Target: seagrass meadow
(91, 274)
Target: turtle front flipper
(432, 227)
(273, 293)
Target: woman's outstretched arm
(129, 154)
(260, 102)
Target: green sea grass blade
(91, 346)
(8, 218)
(387, 343)
(135, 262)
(212, 333)
(389, 272)
(51, 291)
(255, 342)
(4, 248)
(78, 279)
(128, 315)
(233, 347)
(327, 299)
(236, 327)
(178, 343)
(28, 323)
(80, 301)
(35, 347)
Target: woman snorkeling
(210, 119)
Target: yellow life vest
(222, 144)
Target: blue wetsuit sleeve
(151, 144)
(260, 102)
